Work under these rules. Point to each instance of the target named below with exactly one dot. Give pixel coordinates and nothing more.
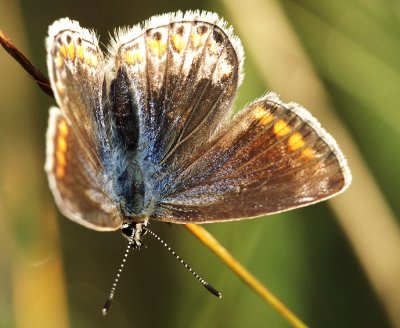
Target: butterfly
(146, 132)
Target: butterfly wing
(183, 71)
(76, 69)
(77, 140)
(271, 157)
(75, 183)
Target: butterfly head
(133, 232)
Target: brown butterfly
(146, 132)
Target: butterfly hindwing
(269, 158)
(77, 186)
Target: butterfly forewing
(76, 69)
(184, 72)
(271, 157)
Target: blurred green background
(335, 264)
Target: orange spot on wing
(63, 51)
(71, 50)
(268, 117)
(262, 115)
(281, 128)
(81, 52)
(296, 141)
(62, 128)
(132, 57)
(308, 153)
(198, 39)
(61, 160)
(62, 144)
(60, 172)
(61, 148)
(178, 42)
(91, 59)
(156, 47)
(60, 60)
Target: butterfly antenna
(107, 305)
(210, 288)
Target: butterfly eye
(127, 230)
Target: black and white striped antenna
(107, 305)
(210, 288)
